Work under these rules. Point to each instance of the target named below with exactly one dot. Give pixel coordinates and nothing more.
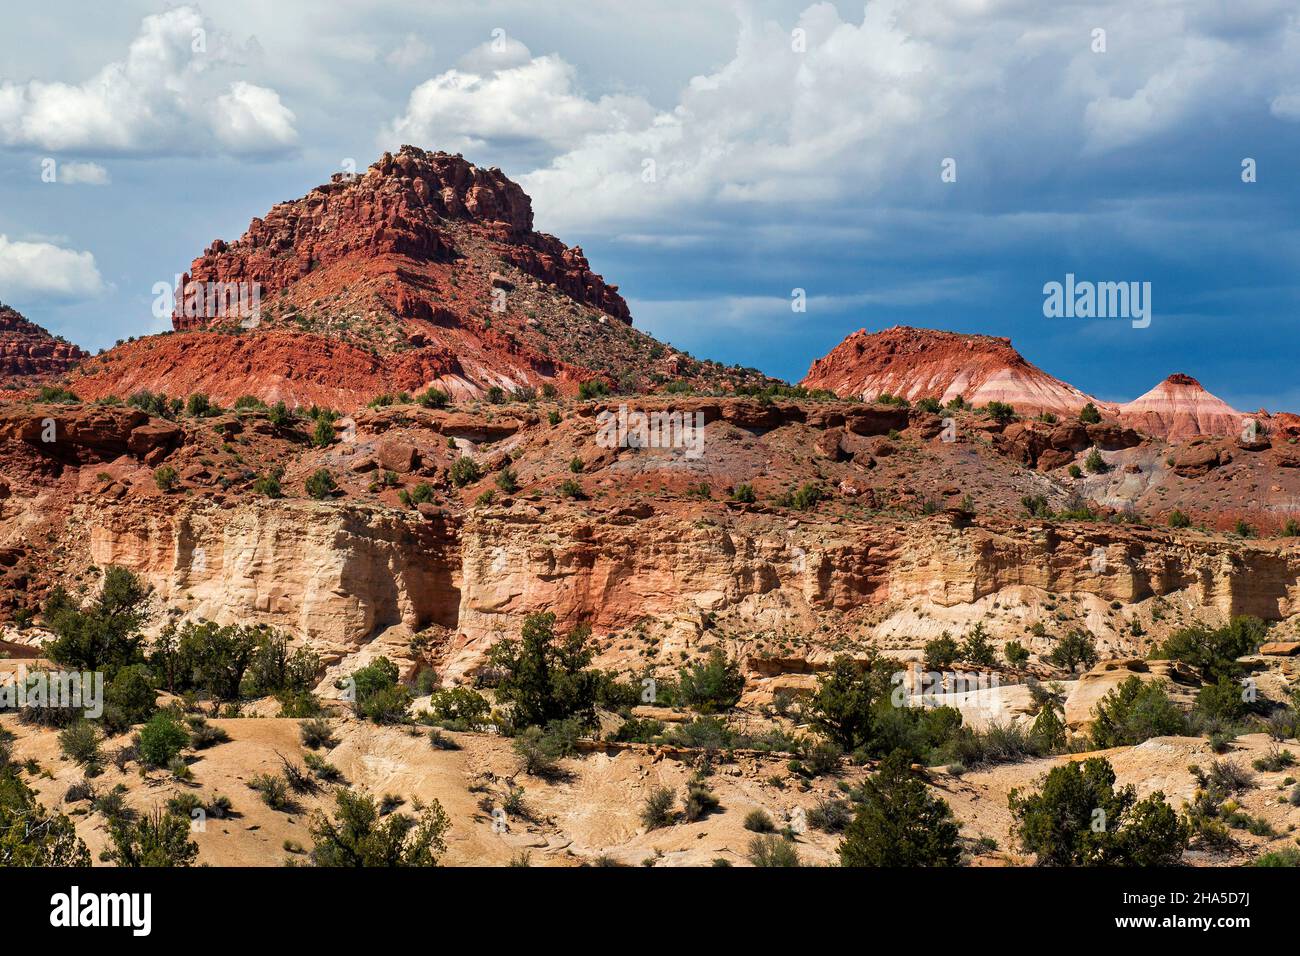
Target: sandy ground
(592, 809)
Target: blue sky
(794, 145)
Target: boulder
(398, 456)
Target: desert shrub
(1078, 818)
(700, 801)
(440, 741)
(940, 652)
(1017, 654)
(1213, 652)
(80, 743)
(267, 485)
(158, 839)
(322, 435)
(434, 398)
(1089, 414)
(1287, 856)
(166, 478)
(161, 740)
(274, 791)
(459, 704)
(377, 695)
(508, 481)
(713, 685)
(1228, 776)
(744, 493)
(545, 677)
(1095, 463)
(321, 768)
(1000, 411)
(1274, 759)
(571, 488)
(1077, 647)
(768, 850)
(102, 634)
(321, 484)
(542, 749)
(204, 735)
(465, 471)
(1221, 701)
(758, 821)
(1135, 711)
(830, 815)
(1178, 519)
(358, 835)
(658, 810)
(899, 823)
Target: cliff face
(339, 576)
(336, 576)
(27, 351)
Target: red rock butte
(924, 363)
(28, 352)
(920, 363)
(424, 271)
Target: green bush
(545, 677)
(508, 481)
(464, 471)
(321, 484)
(1213, 652)
(744, 494)
(166, 478)
(768, 850)
(1077, 647)
(1179, 520)
(1000, 411)
(1017, 654)
(1078, 818)
(80, 743)
(1135, 711)
(658, 809)
(158, 839)
(316, 734)
(434, 398)
(899, 823)
(940, 652)
(459, 704)
(161, 739)
(977, 648)
(322, 435)
(1222, 701)
(712, 686)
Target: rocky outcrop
(1180, 408)
(923, 363)
(84, 433)
(1180, 682)
(27, 351)
(334, 575)
(398, 207)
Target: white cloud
(43, 270)
(410, 53)
(533, 103)
(83, 174)
(864, 105)
(165, 96)
(251, 119)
